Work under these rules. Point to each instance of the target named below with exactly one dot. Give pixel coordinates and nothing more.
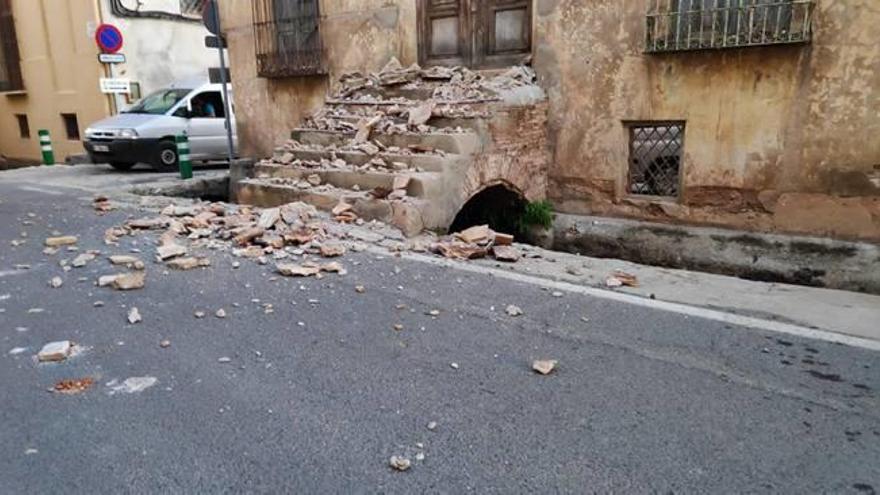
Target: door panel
(207, 126)
(444, 32)
(475, 33)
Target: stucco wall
(161, 51)
(60, 76)
(777, 138)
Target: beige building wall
(60, 72)
(778, 138)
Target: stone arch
(499, 205)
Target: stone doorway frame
(476, 45)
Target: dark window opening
(655, 152)
(208, 105)
(71, 126)
(498, 206)
(10, 64)
(288, 38)
(24, 127)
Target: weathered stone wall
(777, 138)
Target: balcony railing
(288, 38)
(679, 25)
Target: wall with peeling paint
(783, 138)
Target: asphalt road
(319, 394)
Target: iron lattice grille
(677, 25)
(10, 64)
(655, 152)
(288, 39)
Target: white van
(145, 132)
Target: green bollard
(183, 161)
(46, 147)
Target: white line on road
(709, 314)
(40, 190)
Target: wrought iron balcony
(680, 25)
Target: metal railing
(288, 38)
(679, 25)
(10, 63)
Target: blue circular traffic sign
(109, 38)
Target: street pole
(223, 82)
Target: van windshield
(159, 102)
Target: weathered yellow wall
(777, 138)
(358, 35)
(60, 71)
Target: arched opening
(498, 206)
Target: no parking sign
(109, 38)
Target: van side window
(208, 105)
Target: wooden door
(474, 33)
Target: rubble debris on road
(128, 261)
(544, 366)
(102, 205)
(67, 240)
(55, 351)
(131, 385)
(168, 251)
(83, 259)
(220, 313)
(129, 281)
(134, 316)
(400, 463)
(56, 282)
(512, 310)
(620, 278)
(189, 263)
(432, 425)
(360, 289)
(73, 387)
(506, 253)
(165, 344)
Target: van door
(207, 126)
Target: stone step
(422, 161)
(267, 193)
(369, 107)
(421, 92)
(420, 182)
(475, 122)
(456, 143)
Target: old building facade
(760, 115)
(49, 71)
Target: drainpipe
(112, 107)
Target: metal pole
(223, 81)
(46, 147)
(183, 159)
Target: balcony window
(679, 25)
(288, 39)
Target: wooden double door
(474, 33)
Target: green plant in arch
(537, 213)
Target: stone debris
(188, 263)
(360, 289)
(129, 281)
(73, 387)
(432, 425)
(620, 278)
(544, 366)
(56, 282)
(512, 310)
(83, 259)
(220, 313)
(134, 316)
(224, 360)
(332, 249)
(55, 351)
(400, 463)
(66, 240)
(165, 344)
(168, 251)
(102, 205)
(506, 253)
(128, 261)
(133, 385)
(199, 314)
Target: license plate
(102, 148)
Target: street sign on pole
(115, 86)
(111, 58)
(109, 38)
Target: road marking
(696, 311)
(40, 190)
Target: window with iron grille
(24, 127)
(71, 126)
(10, 65)
(288, 39)
(655, 158)
(677, 25)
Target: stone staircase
(409, 147)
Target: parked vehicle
(145, 132)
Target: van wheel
(122, 166)
(167, 159)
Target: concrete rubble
(55, 351)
